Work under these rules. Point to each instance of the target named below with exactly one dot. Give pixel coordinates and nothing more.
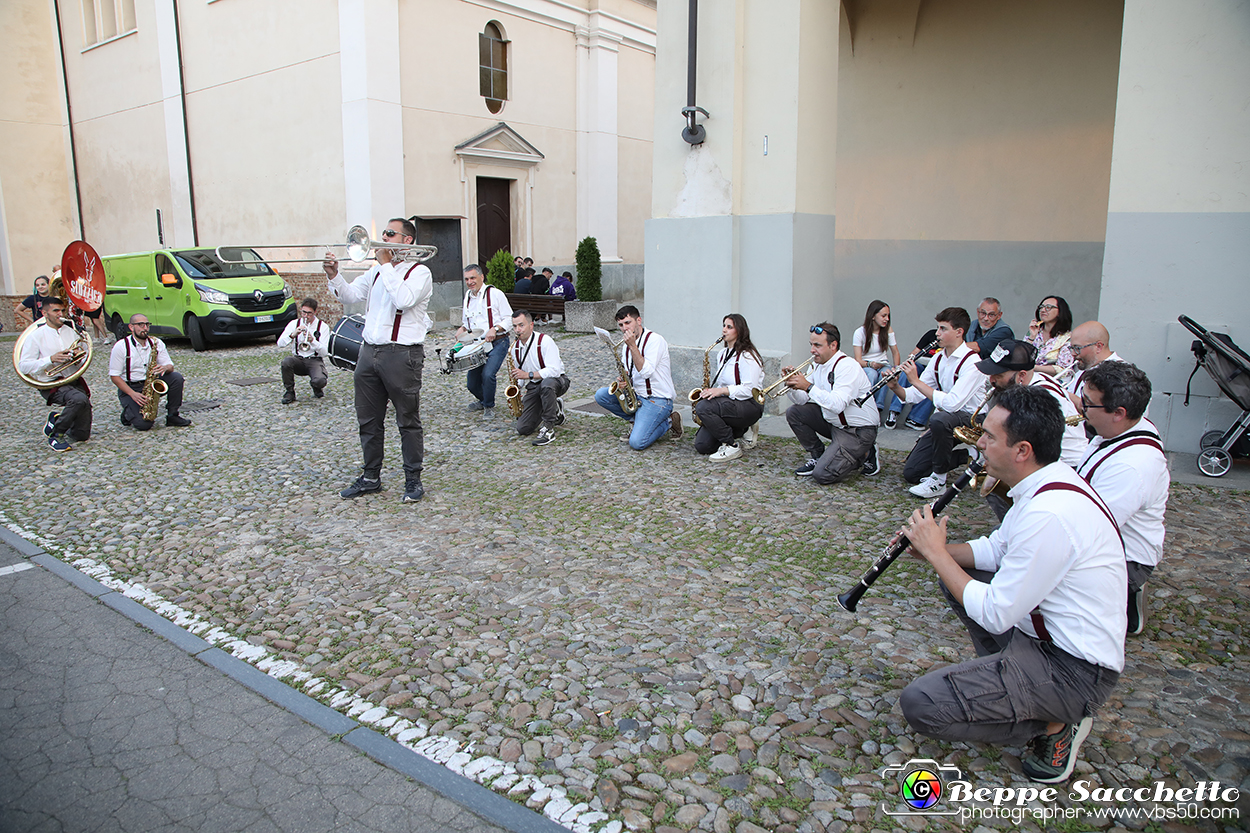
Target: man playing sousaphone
(45, 355)
(129, 366)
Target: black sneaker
(559, 411)
(891, 419)
(288, 397)
(124, 420)
(361, 486)
(57, 442)
(873, 464)
(913, 425)
(49, 427)
(806, 469)
(545, 435)
(1054, 756)
(1137, 611)
(476, 406)
(413, 491)
(319, 392)
(177, 420)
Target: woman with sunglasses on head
(726, 409)
(1049, 332)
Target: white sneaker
(751, 438)
(725, 453)
(929, 487)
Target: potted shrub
(589, 310)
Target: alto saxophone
(621, 388)
(707, 380)
(513, 392)
(153, 388)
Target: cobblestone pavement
(107, 727)
(628, 640)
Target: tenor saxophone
(694, 394)
(153, 388)
(513, 392)
(621, 388)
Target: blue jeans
(650, 421)
(481, 380)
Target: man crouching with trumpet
(724, 408)
(1042, 597)
(824, 407)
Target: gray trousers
(538, 403)
(1138, 575)
(390, 373)
(314, 367)
(848, 447)
(75, 404)
(932, 453)
(173, 400)
(1009, 693)
(724, 420)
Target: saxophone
(513, 392)
(694, 394)
(621, 388)
(153, 388)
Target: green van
(201, 294)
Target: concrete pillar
(597, 139)
(373, 134)
(1178, 224)
(745, 221)
(178, 226)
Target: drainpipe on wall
(69, 117)
(186, 133)
(692, 132)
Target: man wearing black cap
(1010, 365)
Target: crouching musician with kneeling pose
(135, 359)
(1042, 597)
(536, 361)
(725, 408)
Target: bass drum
(345, 341)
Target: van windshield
(204, 263)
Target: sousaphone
(80, 286)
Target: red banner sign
(83, 276)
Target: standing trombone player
(725, 408)
(824, 407)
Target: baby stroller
(1229, 367)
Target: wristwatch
(531, 375)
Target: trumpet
(775, 389)
(891, 374)
(695, 393)
(359, 249)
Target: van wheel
(194, 332)
(117, 328)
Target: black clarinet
(892, 374)
(851, 598)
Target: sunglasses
(817, 330)
(389, 233)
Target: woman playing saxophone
(726, 409)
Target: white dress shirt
(956, 382)
(1132, 478)
(41, 345)
(1059, 552)
(318, 342)
(1074, 440)
(1076, 383)
(741, 374)
(655, 379)
(834, 385)
(487, 308)
(388, 293)
(140, 354)
(542, 359)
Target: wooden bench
(537, 304)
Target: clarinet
(892, 374)
(851, 598)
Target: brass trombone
(775, 389)
(359, 249)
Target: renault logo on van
(259, 296)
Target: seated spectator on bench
(541, 283)
(523, 282)
(563, 286)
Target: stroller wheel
(1211, 439)
(1214, 462)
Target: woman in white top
(1049, 332)
(726, 409)
(875, 344)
